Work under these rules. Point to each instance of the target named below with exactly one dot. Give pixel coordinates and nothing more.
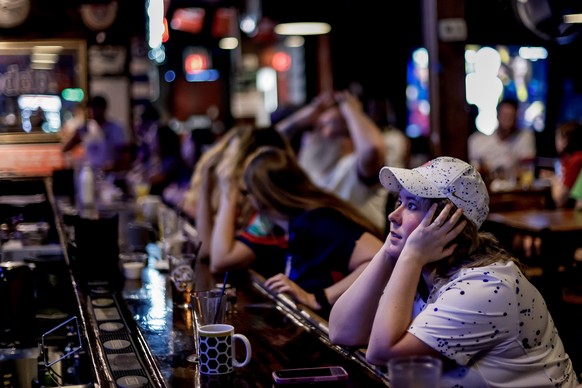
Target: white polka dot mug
(216, 347)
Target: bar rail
(305, 317)
(93, 348)
(283, 334)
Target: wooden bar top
(280, 338)
(159, 337)
(559, 220)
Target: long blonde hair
(277, 181)
(250, 138)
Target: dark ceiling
(370, 40)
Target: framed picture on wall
(42, 85)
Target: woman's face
(409, 212)
(561, 142)
(507, 117)
(330, 124)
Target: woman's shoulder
(501, 270)
(500, 279)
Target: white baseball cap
(443, 177)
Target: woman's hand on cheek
(430, 241)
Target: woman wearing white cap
(479, 313)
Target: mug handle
(249, 352)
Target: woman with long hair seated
(329, 243)
(202, 198)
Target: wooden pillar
(444, 35)
(325, 73)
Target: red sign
(31, 159)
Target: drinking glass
(182, 277)
(208, 307)
(414, 371)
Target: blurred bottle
(44, 378)
(86, 187)
(526, 173)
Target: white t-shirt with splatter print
(494, 324)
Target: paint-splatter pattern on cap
(443, 177)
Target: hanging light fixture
(302, 28)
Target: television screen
(492, 73)
(497, 72)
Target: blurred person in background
(145, 133)
(201, 201)
(576, 192)
(193, 144)
(341, 149)
(503, 154)
(167, 167)
(568, 142)
(327, 241)
(396, 142)
(569, 165)
(107, 145)
(398, 145)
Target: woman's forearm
(297, 121)
(366, 136)
(223, 233)
(394, 312)
(204, 223)
(337, 289)
(352, 315)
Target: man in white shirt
(343, 152)
(501, 154)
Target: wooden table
(536, 197)
(560, 232)
(539, 221)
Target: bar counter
(133, 336)
(159, 336)
(281, 336)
